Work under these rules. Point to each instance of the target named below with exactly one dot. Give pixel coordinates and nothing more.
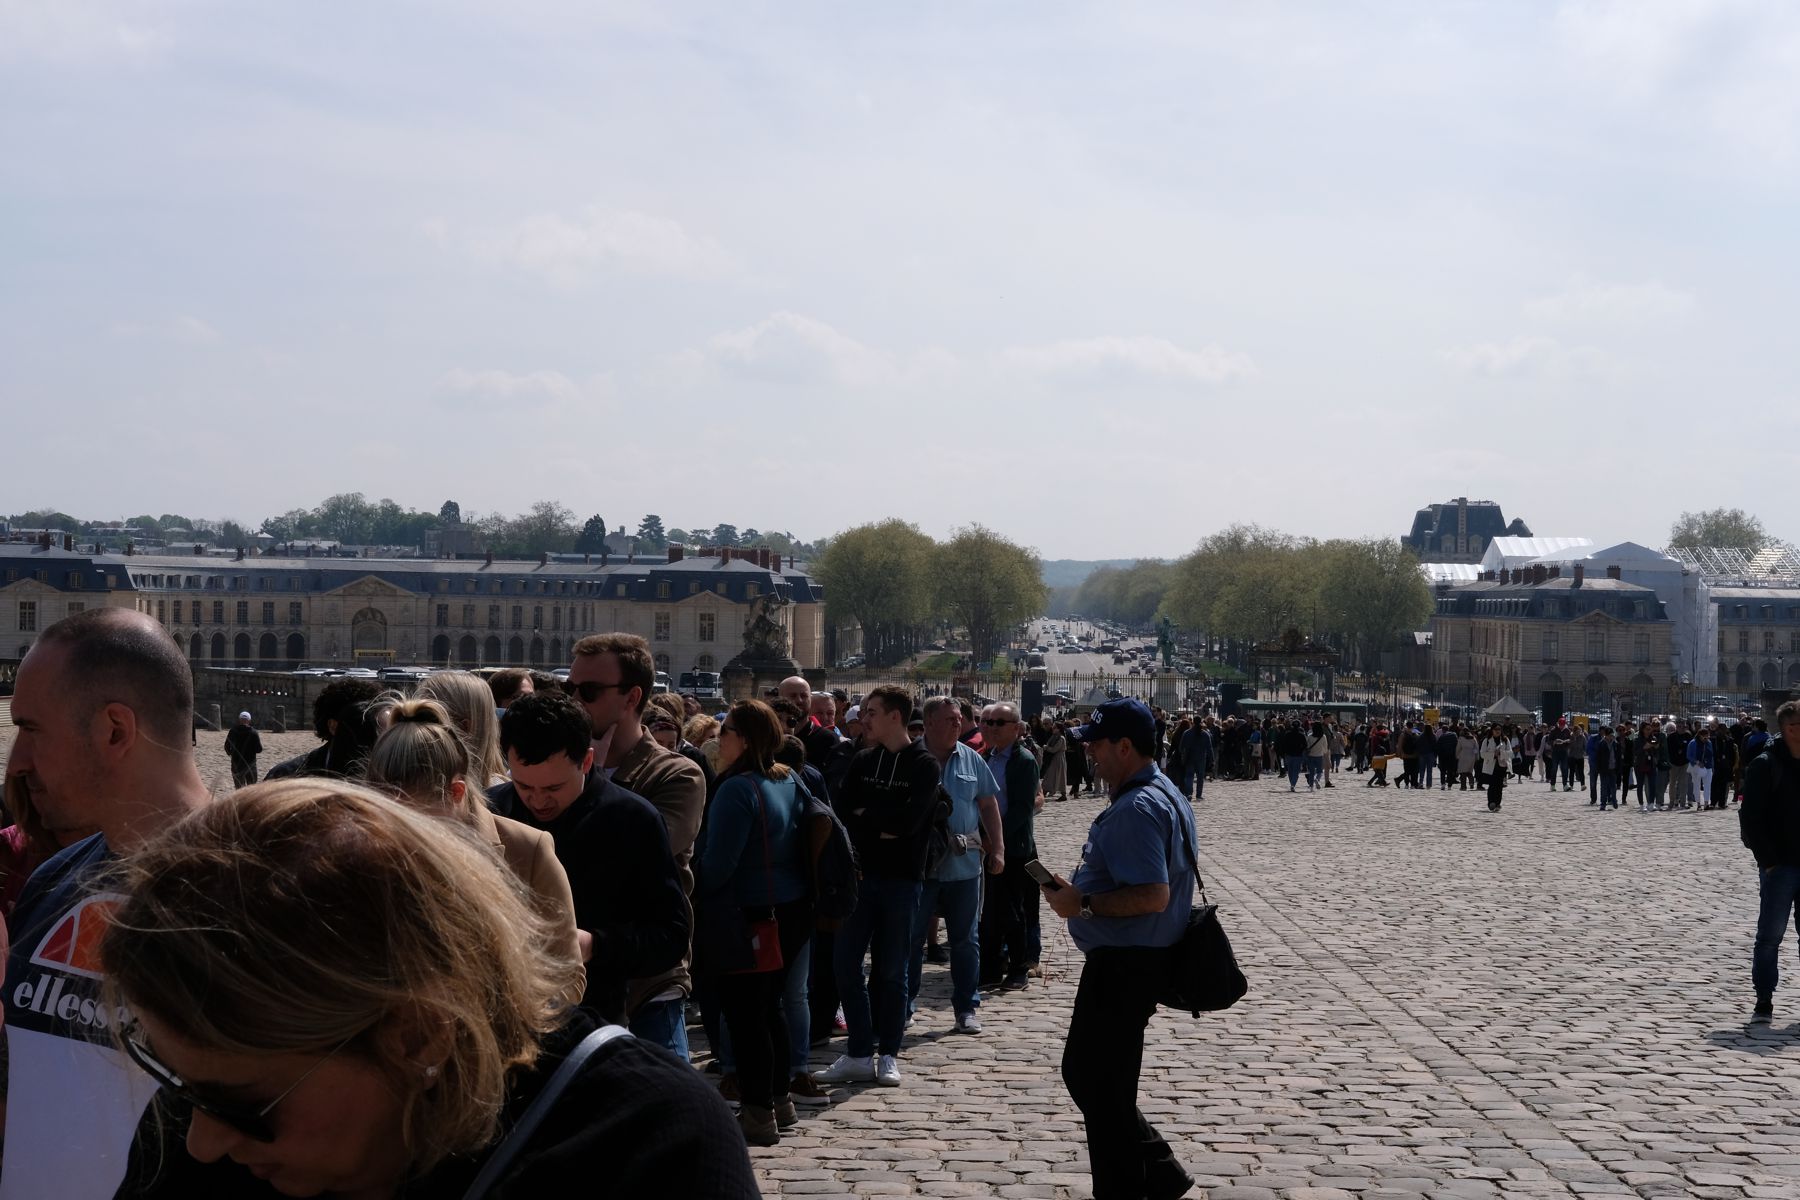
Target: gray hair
(1009, 711)
(937, 704)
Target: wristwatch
(1087, 906)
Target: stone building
(1537, 633)
(282, 613)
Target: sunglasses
(994, 722)
(589, 690)
(247, 1119)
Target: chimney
(586, 559)
(1580, 573)
(1556, 572)
(675, 551)
(543, 558)
(1538, 573)
(68, 541)
(1612, 572)
(490, 559)
(1518, 575)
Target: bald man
(104, 705)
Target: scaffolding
(1777, 564)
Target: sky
(1105, 278)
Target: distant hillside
(1069, 572)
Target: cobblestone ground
(1550, 1001)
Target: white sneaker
(968, 1023)
(847, 1070)
(887, 1074)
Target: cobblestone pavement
(1549, 1001)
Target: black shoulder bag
(1203, 972)
(515, 1141)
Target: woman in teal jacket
(753, 859)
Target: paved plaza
(1548, 1001)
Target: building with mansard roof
(283, 613)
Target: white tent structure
(1504, 708)
(1505, 553)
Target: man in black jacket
(1769, 822)
(886, 802)
(630, 911)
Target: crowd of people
(460, 946)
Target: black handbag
(1203, 972)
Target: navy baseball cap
(1116, 720)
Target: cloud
(1589, 300)
(595, 241)
(1149, 356)
(462, 388)
(184, 328)
(1726, 66)
(1526, 356)
(72, 31)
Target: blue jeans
(1315, 770)
(1609, 789)
(1427, 764)
(1780, 890)
(1193, 781)
(960, 900)
(880, 928)
(664, 1023)
(1292, 763)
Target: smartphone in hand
(1041, 874)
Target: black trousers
(751, 1006)
(1004, 942)
(1101, 1060)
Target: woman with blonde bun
(423, 760)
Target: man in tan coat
(611, 676)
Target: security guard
(1127, 903)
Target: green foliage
(880, 577)
(723, 535)
(987, 584)
(593, 536)
(1129, 594)
(1725, 528)
(450, 513)
(650, 533)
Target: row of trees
(904, 587)
(351, 518)
(1247, 584)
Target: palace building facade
(283, 613)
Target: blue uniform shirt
(1141, 837)
(967, 777)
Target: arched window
(440, 649)
(296, 648)
(1744, 677)
(268, 650)
(218, 647)
(556, 653)
(515, 651)
(466, 651)
(197, 646)
(1771, 676)
(662, 663)
(537, 652)
(240, 649)
(490, 650)
(1595, 690)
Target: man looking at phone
(1126, 904)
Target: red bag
(764, 932)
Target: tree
(347, 519)
(987, 585)
(724, 535)
(1370, 592)
(593, 536)
(450, 513)
(680, 537)
(880, 577)
(1725, 528)
(650, 533)
(233, 534)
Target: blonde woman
(341, 995)
(423, 760)
(471, 707)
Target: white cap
(855, 714)
(243, 716)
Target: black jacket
(1446, 747)
(628, 895)
(1291, 741)
(885, 804)
(1769, 818)
(242, 745)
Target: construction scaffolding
(1778, 563)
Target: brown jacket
(675, 786)
(530, 854)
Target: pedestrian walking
(1769, 824)
(1496, 756)
(242, 745)
(1126, 904)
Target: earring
(431, 1072)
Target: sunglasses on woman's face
(247, 1119)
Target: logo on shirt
(73, 943)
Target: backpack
(835, 869)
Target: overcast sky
(1103, 277)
